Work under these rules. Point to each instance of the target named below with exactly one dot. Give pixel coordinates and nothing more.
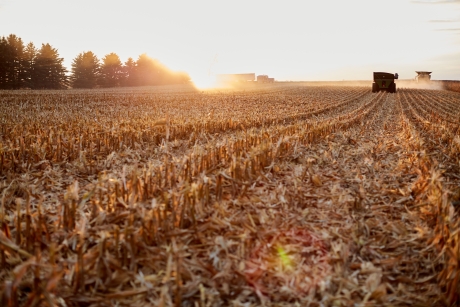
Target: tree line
(25, 66)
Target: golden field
(278, 195)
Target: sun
(203, 82)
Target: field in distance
(275, 195)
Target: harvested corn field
(281, 195)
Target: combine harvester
(384, 81)
(423, 76)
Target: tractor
(384, 81)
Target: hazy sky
(288, 40)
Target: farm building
(423, 76)
(265, 79)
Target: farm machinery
(384, 81)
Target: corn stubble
(281, 196)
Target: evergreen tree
(85, 70)
(147, 72)
(27, 64)
(11, 49)
(111, 71)
(4, 63)
(129, 71)
(17, 49)
(48, 71)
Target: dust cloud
(429, 85)
(400, 84)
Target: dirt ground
(283, 195)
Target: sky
(290, 40)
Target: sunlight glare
(203, 82)
(284, 257)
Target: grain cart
(384, 81)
